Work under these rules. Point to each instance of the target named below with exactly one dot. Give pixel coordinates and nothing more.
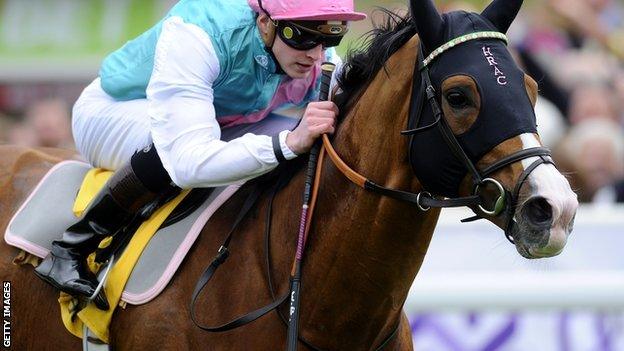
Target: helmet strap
(278, 66)
(269, 39)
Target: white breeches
(108, 132)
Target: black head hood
(506, 110)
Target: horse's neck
(365, 249)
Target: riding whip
(295, 281)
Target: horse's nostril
(538, 211)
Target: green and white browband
(464, 38)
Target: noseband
(506, 201)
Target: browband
(464, 38)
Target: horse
(365, 248)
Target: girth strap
(221, 257)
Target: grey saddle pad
(48, 212)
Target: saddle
(174, 228)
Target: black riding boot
(114, 207)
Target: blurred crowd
(44, 123)
(573, 48)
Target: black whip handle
(327, 69)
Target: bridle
(423, 90)
(505, 203)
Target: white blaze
(546, 181)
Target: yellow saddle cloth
(95, 319)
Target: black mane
(362, 64)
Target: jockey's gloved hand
(319, 118)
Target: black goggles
(310, 35)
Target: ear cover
(506, 110)
(428, 22)
(502, 13)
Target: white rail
(470, 267)
(556, 290)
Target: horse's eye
(456, 99)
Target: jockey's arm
(183, 122)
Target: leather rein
(505, 203)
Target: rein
(505, 203)
(310, 195)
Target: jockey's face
(296, 63)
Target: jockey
(156, 113)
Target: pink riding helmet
(312, 10)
